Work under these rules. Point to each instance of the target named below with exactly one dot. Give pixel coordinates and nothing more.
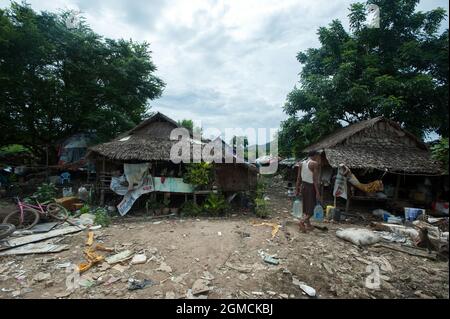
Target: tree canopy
(58, 78)
(399, 71)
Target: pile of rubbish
(416, 234)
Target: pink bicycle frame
(23, 205)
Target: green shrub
(259, 201)
(44, 193)
(261, 208)
(191, 209)
(198, 174)
(85, 209)
(215, 204)
(102, 217)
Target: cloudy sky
(226, 63)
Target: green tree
(399, 71)
(188, 124)
(58, 78)
(440, 152)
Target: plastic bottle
(318, 213)
(297, 209)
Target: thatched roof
(342, 134)
(135, 148)
(137, 145)
(413, 161)
(377, 143)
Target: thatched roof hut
(378, 143)
(150, 142)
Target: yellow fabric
(275, 228)
(372, 187)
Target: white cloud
(226, 63)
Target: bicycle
(29, 215)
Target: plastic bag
(358, 236)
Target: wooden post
(46, 163)
(102, 192)
(397, 187)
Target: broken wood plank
(411, 251)
(239, 268)
(15, 242)
(35, 248)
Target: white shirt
(307, 173)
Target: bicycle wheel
(57, 212)
(6, 230)
(30, 218)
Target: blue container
(411, 214)
(386, 216)
(318, 213)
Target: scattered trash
(120, 268)
(164, 267)
(86, 283)
(358, 236)
(307, 289)
(41, 276)
(179, 279)
(96, 227)
(392, 237)
(120, 257)
(411, 214)
(134, 284)
(139, 259)
(394, 220)
(44, 227)
(64, 265)
(15, 242)
(245, 269)
(90, 239)
(219, 233)
(111, 280)
(271, 260)
(87, 219)
(35, 248)
(200, 286)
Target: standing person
(308, 187)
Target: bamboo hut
(378, 148)
(149, 142)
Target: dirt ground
(227, 254)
